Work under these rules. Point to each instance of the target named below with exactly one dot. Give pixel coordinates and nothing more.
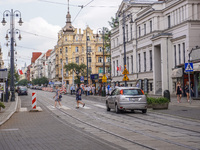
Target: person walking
(187, 90)
(78, 96)
(57, 97)
(71, 89)
(179, 91)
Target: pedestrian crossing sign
(104, 79)
(125, 78)
(188, 67)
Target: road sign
(188, 67)
(125, 78)
(82, 78)
(104, 80)
(125, 71)
(104, 77)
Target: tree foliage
(40, 81)
(16, 76)
(79, 70)
(112, 22)
(23, 82)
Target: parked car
(22, 90)
(127, 98)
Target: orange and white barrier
(34, 101)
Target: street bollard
(34, 101)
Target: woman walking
(178, 91)
(187, 90)
(78, 96)
(57, 99)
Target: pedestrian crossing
(51, 107)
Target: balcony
(99, 53)
(99, 64)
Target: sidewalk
(9, 110)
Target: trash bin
(167, 94)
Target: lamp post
(124, 38)
(13, 31)
(103, 31)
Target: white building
(157, 42)
(51, 67)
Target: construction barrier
(34, 101)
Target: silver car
(127, 98)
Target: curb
(11, 113)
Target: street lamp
(124, 38)
(12, 15)
(103, 31)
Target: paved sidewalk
(10, 109)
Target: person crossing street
(78, 96)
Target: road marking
(23, 109)
(51, 107)
(85, 107)
(64, 107)
(101, 106)
(9, 129)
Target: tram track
(126, 128)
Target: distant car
(127, 98)
(22, 90)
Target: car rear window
(132, 92)
(24, 89)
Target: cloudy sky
(44, 18)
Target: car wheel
(107, 107)
(117, 109)
(144, 111)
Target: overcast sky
(44, 18)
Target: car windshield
(132, 92)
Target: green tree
(23, 82)
(40, 81)
(79, 70)
(16, 76)
(113, 21)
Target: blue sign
(94, 76)
(82, 78)
(188, 67)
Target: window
(179, 53)
(89, 59)
(100, 70)
(174, 55)
(184, 52)
(61, 51)
(106, 70)
(139, 67)
(131, 63)
(145, 62)
(144, 29)
(100, 49)
(67, 73)
(151, 29)
(82, 49)
(151, 87)
(151, 64)
(76, 38)
(107, 49)
(66, 61)
(107, 59)
(66, 50)
(169, 21)
(99, 39)
(65, 38)
(89, 49)
(139, 32)
(117, 66)
(100, 59)
(126, 32)
(88, 38)
(131, 32)
(114, 68)
(127, 63)
(77, 60)
(76, 49)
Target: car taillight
(142, 91)
(121, 92)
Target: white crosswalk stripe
(100, 106)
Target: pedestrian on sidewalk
(71, 89)
(187, 90)
(78, 96)
(179, 91)
(57, 98)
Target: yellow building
(71, 47)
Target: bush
(160, 100)
(2, 105)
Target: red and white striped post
(34, 100)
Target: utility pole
(12, 15)
(87, 54)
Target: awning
(177, 73)
(196, 66)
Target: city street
(92, 127)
